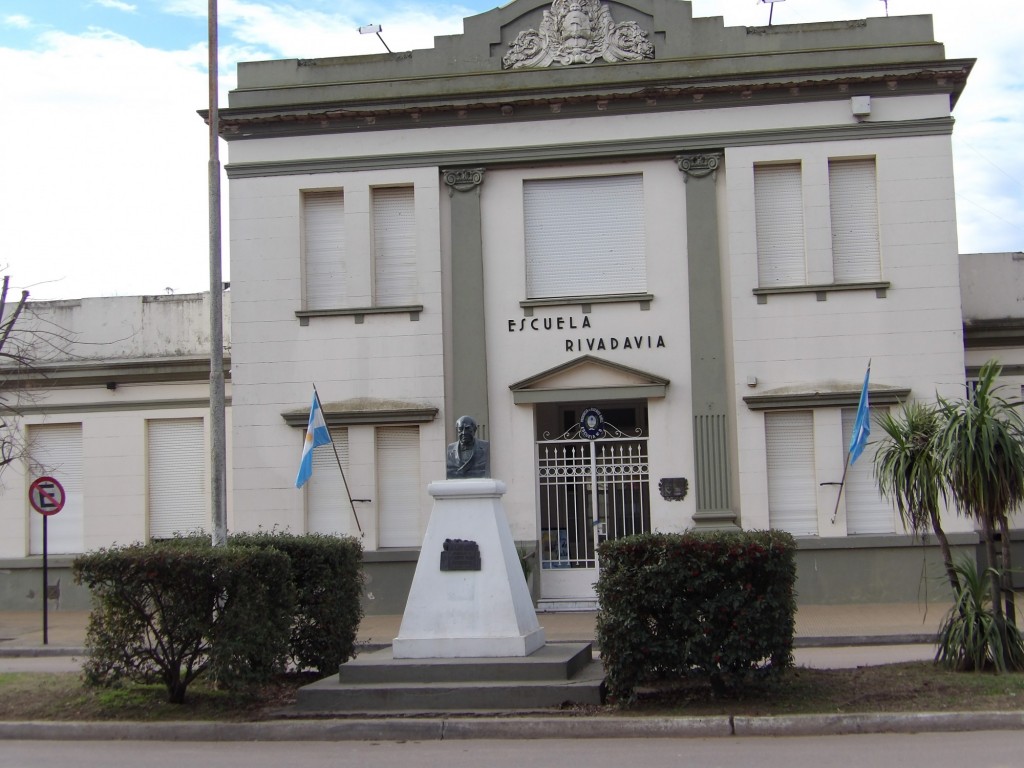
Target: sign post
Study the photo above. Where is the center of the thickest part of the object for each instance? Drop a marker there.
(46, 496)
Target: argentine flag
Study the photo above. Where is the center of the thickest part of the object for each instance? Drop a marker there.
(862, 426)
(316, 434)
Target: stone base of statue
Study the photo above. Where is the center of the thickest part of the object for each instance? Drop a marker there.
(469, 640)
(469, 597)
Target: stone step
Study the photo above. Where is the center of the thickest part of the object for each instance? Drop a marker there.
(551, 662)
(553, 675)
(332, 696)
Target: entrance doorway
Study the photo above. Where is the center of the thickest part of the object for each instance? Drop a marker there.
(592, 485)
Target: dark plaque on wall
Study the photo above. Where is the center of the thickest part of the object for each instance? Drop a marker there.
(673, 488)
(460, 555)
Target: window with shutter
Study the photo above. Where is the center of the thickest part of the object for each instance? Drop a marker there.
(326, 271)
(176, 477)
(792, 491)
(327, 504)
(55, 450)
(866, 510)
(394, 246)
(853, 202)
(585, 236)
(398, 486)
(779, 214)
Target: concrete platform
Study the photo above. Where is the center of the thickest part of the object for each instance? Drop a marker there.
(555, 674)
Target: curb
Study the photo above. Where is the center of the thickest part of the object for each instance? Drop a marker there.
(915, 722)
(441, 729)
(846, 641)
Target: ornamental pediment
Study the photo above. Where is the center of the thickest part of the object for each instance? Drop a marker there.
(578, 32)
(588, 377)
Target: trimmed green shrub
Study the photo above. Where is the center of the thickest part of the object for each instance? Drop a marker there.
(169, 612)
(720, 606)
(328, 581)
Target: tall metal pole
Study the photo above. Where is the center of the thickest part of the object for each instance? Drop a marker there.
(218, 439)
(46, 584)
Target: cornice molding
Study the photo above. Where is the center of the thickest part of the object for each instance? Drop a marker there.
(365, 411)
(364, 103)
(118, 406)
(95, 372)
(984, 334)
(974, 371)
(774, 401)
(580, 152)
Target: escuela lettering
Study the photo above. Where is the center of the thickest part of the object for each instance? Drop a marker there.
(585, 344)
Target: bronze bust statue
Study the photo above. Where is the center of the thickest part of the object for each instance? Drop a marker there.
(468, 457)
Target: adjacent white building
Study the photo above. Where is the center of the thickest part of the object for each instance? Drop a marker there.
(115, 406)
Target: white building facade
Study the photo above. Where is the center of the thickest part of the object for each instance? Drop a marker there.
(697, 235)
(651, 255)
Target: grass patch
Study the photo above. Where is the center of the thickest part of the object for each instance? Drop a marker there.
(906, 687)
(62, 696)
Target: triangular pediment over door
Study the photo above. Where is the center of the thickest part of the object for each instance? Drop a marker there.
(588, 378)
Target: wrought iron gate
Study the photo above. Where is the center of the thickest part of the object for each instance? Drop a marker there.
(589, 490)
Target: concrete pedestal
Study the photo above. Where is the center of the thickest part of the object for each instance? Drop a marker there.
(468, 614)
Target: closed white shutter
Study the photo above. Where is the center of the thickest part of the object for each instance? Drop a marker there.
(55, 450)
(399, 491)
(866, 510)
(326, 269)
(394, 246)
(779, 213)
(792, 492)
(853, 201)
(176, 477)
(327, 505)
(585, 236)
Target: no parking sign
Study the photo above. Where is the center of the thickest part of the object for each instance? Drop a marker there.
(46, 496)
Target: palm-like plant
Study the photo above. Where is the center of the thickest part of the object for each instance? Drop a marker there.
(909, 474)
(981, 449)
(973, 637)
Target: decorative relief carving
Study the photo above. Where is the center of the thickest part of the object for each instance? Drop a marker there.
(699, 166)
(464, 179)
(578, 32)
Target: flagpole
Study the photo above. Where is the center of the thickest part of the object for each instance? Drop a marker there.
(842, 484)
(337, 458)
(861, 429)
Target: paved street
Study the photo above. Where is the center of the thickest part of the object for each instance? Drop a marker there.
(1004, 749)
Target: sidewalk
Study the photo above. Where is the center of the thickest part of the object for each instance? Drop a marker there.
(851, 634)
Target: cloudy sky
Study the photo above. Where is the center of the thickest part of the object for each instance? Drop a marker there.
(103, 160)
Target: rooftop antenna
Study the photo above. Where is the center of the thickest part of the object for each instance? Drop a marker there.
(772, 11)
(373, 29)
